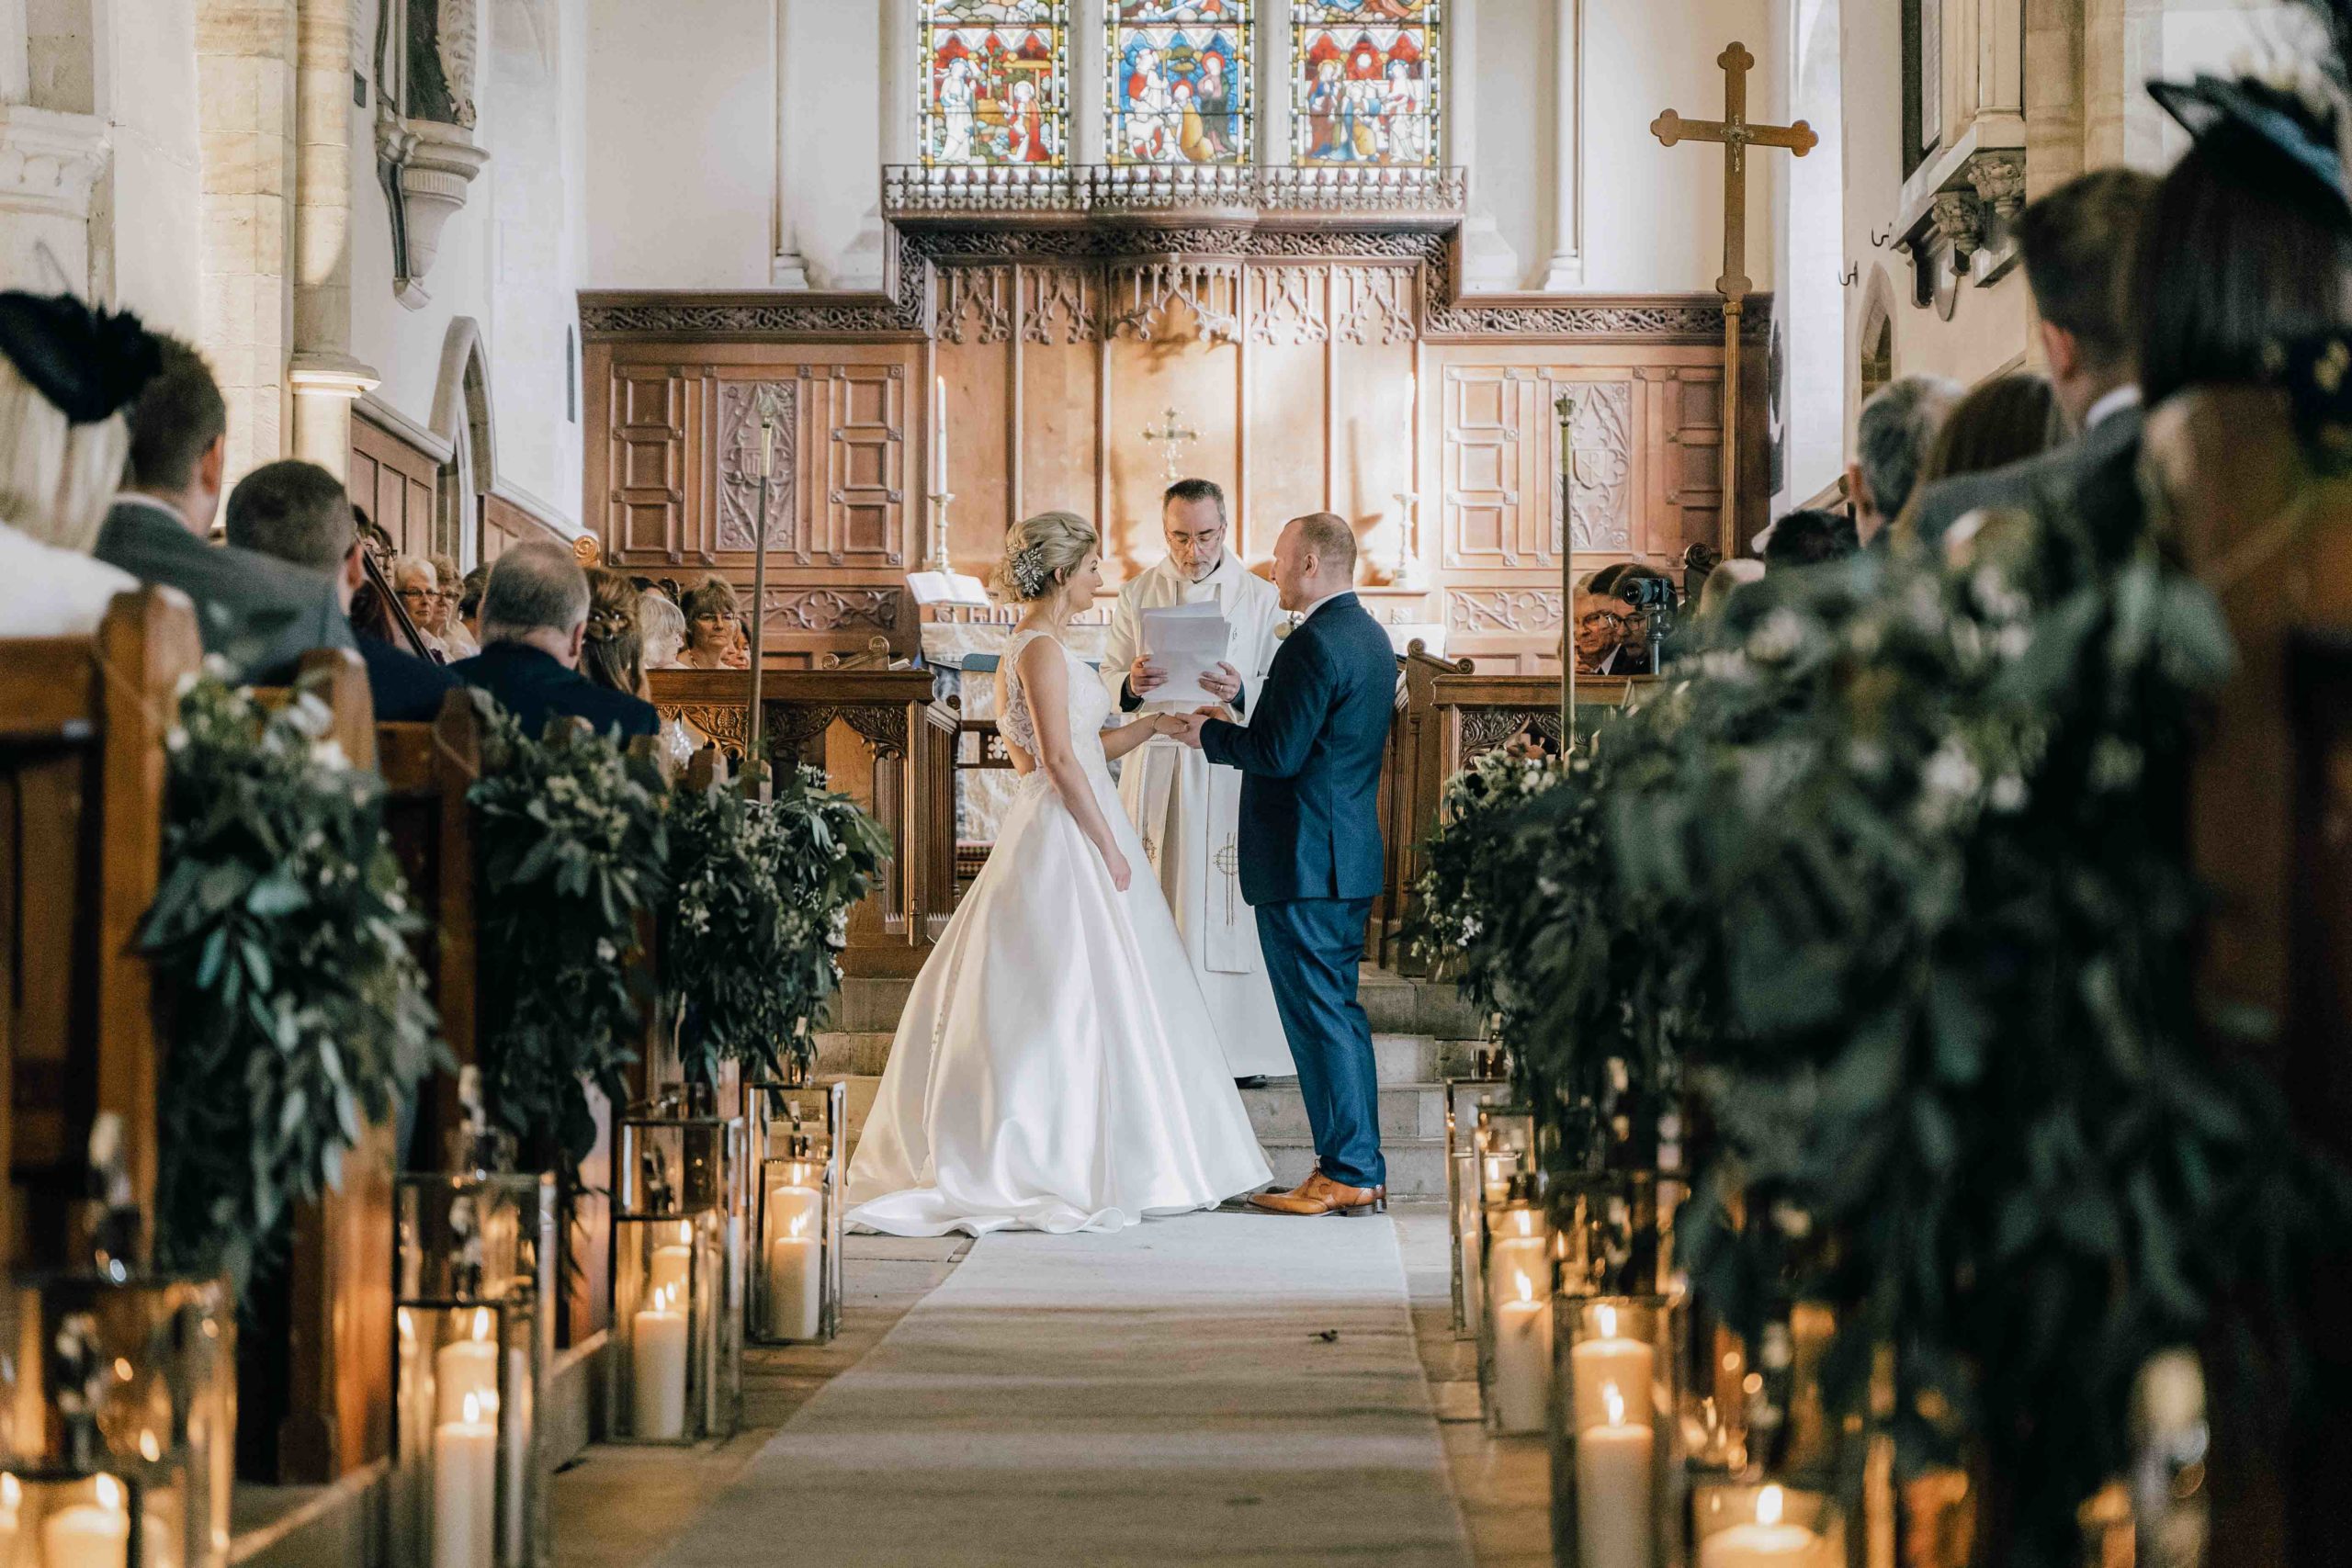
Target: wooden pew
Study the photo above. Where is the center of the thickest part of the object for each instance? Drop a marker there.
(83, 728)
(882, 740)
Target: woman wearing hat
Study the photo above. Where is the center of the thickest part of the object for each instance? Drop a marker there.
(66, 373)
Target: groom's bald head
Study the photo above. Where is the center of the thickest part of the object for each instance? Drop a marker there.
(1315, 559)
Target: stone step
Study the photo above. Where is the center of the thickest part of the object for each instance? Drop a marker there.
(1416, 1165)
(1407, 1109)
(1402, 1061)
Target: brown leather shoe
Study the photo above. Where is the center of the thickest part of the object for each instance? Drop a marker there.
(1320, 1195)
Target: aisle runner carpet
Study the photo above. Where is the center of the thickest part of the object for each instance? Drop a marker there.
(1215, 1389)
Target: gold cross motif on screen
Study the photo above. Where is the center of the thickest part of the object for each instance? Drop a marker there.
(1173, 438)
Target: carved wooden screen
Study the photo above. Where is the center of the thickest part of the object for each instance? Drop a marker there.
(1179, 79)
(1365, 94)
(995, 82)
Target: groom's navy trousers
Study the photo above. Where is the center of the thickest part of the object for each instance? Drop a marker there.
(1311, 860)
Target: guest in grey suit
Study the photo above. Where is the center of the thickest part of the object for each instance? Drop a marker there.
(258, 614)
(2078, 242)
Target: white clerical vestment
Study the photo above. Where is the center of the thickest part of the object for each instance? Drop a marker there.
(1188, 810)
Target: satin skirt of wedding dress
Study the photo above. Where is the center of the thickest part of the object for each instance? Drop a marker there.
(1056, 1068)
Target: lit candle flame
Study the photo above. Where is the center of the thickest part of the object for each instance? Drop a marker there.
(473, 1409)
(1768, 1505)
(800, 1225)
(1525, 1218)
(408, 1326)
(11, 1492)
(1607, 1318)
(1614, 1403)
(481, 1323)
(109, 1492)
(122, 1369)
(1526, 1286)
(149, 1448)
(686, 1232)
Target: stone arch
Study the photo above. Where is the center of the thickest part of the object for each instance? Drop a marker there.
(462, 416)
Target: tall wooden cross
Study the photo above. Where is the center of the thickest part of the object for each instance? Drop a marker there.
(1737, 136)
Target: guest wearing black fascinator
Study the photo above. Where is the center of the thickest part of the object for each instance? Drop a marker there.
(66, 373)
(259, 614)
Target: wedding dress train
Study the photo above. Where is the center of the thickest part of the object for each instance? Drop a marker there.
(1056, 1068)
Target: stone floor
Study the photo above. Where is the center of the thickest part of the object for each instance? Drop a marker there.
(621, 1508)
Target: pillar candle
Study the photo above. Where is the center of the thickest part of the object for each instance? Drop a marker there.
(1767, 1543)
(465, 1489)
(796, 1306)
(1522, 1388)
(1616, 1522)
(939, 435)
(1500, 1170)
(96, 1534)
(12, 1493)
(1608, 1359)
(466, 1369)
(657, 1355)
(515, 1426)
(1510, 1256)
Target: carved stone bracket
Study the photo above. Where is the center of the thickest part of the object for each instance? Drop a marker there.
(1998, 177)
(1959, 221)
(48, 161)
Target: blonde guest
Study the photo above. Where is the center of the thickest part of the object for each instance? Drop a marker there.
(714, 627)
(418, 587)
(66, 373)
(665, 630)
(453, 631)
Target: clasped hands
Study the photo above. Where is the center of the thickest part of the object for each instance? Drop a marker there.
(1186, 727)
(1224, 681)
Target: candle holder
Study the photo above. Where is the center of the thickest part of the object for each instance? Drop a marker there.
(473, 1344)
(117, 1413)
(1502, 1151)
(935, 558)
(1616, 1232)
(1765, 1523)
(677, 1364)
(1515, 1328)
(1465, 1192)
(797, 1136)
(1616, 1465)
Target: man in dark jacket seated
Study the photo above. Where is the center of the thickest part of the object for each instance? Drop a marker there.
(296, 512)
(534, 618)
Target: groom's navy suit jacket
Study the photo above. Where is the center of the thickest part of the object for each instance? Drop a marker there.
(1310, 760)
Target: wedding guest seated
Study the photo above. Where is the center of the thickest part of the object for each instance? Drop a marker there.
(1725, 581)
(664, 626)
(1807, 538)
(1892, 436)
(261, 615)
(296, 512)
(455, 635)
(470, 603)
(534, 624)
(613, 652)
(418, 587)
(2078, 243)
(714, 627)
(1597, 631)
(66, 373)
(1613, 583)
(2006, 421)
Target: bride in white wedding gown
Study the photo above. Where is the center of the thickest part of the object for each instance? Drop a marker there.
(1056, 1068)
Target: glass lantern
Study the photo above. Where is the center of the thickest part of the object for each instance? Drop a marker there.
(474, 1338)
(677, 1365)
(1463, 1191)
(1753, 1523)
(1502, 1149)
(1616, 1470)
(1515, 1328)
(118, 1422)
(797, 1137)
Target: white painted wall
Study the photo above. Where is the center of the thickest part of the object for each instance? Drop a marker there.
(145, 51)
(1812, 294)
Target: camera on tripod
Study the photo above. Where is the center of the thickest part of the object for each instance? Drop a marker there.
(1651, 598)
(1650, 593)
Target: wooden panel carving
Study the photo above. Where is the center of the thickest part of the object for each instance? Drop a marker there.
(1512, 612)
(1483, 412)
(739, 468)
(1372, 304)
(646, 501)
(1601, 438)
(866, 452)
(1289, 305)
(1141, 293)
(1059, 305)
(834, 609)
(975, 304)
(397, 482)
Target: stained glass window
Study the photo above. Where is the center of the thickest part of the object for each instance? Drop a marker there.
(1364, 82)
(995, 82)
(1179, 78)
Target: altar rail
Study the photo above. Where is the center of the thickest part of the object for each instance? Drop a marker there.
(882, 740)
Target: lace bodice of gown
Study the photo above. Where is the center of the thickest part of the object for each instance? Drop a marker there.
(1089, 703)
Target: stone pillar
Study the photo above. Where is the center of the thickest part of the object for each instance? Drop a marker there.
(323, 378)
(1089, 87)
(1271, 88)
(1566, 269)
(902, 80)
(785, 269)
(15, 59)
(1487, 263)
(246, 94)
(2053, 94)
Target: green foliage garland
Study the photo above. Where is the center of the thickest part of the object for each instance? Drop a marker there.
(297, 1012)
(752, 920)
(574, 855)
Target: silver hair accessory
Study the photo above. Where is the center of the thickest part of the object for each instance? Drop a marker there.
(1030, 578)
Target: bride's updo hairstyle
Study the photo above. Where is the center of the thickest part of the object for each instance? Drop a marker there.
(1040, 553)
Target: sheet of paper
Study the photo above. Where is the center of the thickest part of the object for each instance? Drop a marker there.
(1188, 641)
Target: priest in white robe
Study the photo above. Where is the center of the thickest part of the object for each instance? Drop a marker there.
(1187, 809)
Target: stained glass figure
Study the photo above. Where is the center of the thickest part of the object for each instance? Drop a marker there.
(1179, 77)
(1364, 82)
(996, 82)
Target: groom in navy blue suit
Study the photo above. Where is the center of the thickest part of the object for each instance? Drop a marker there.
(1310, 848)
